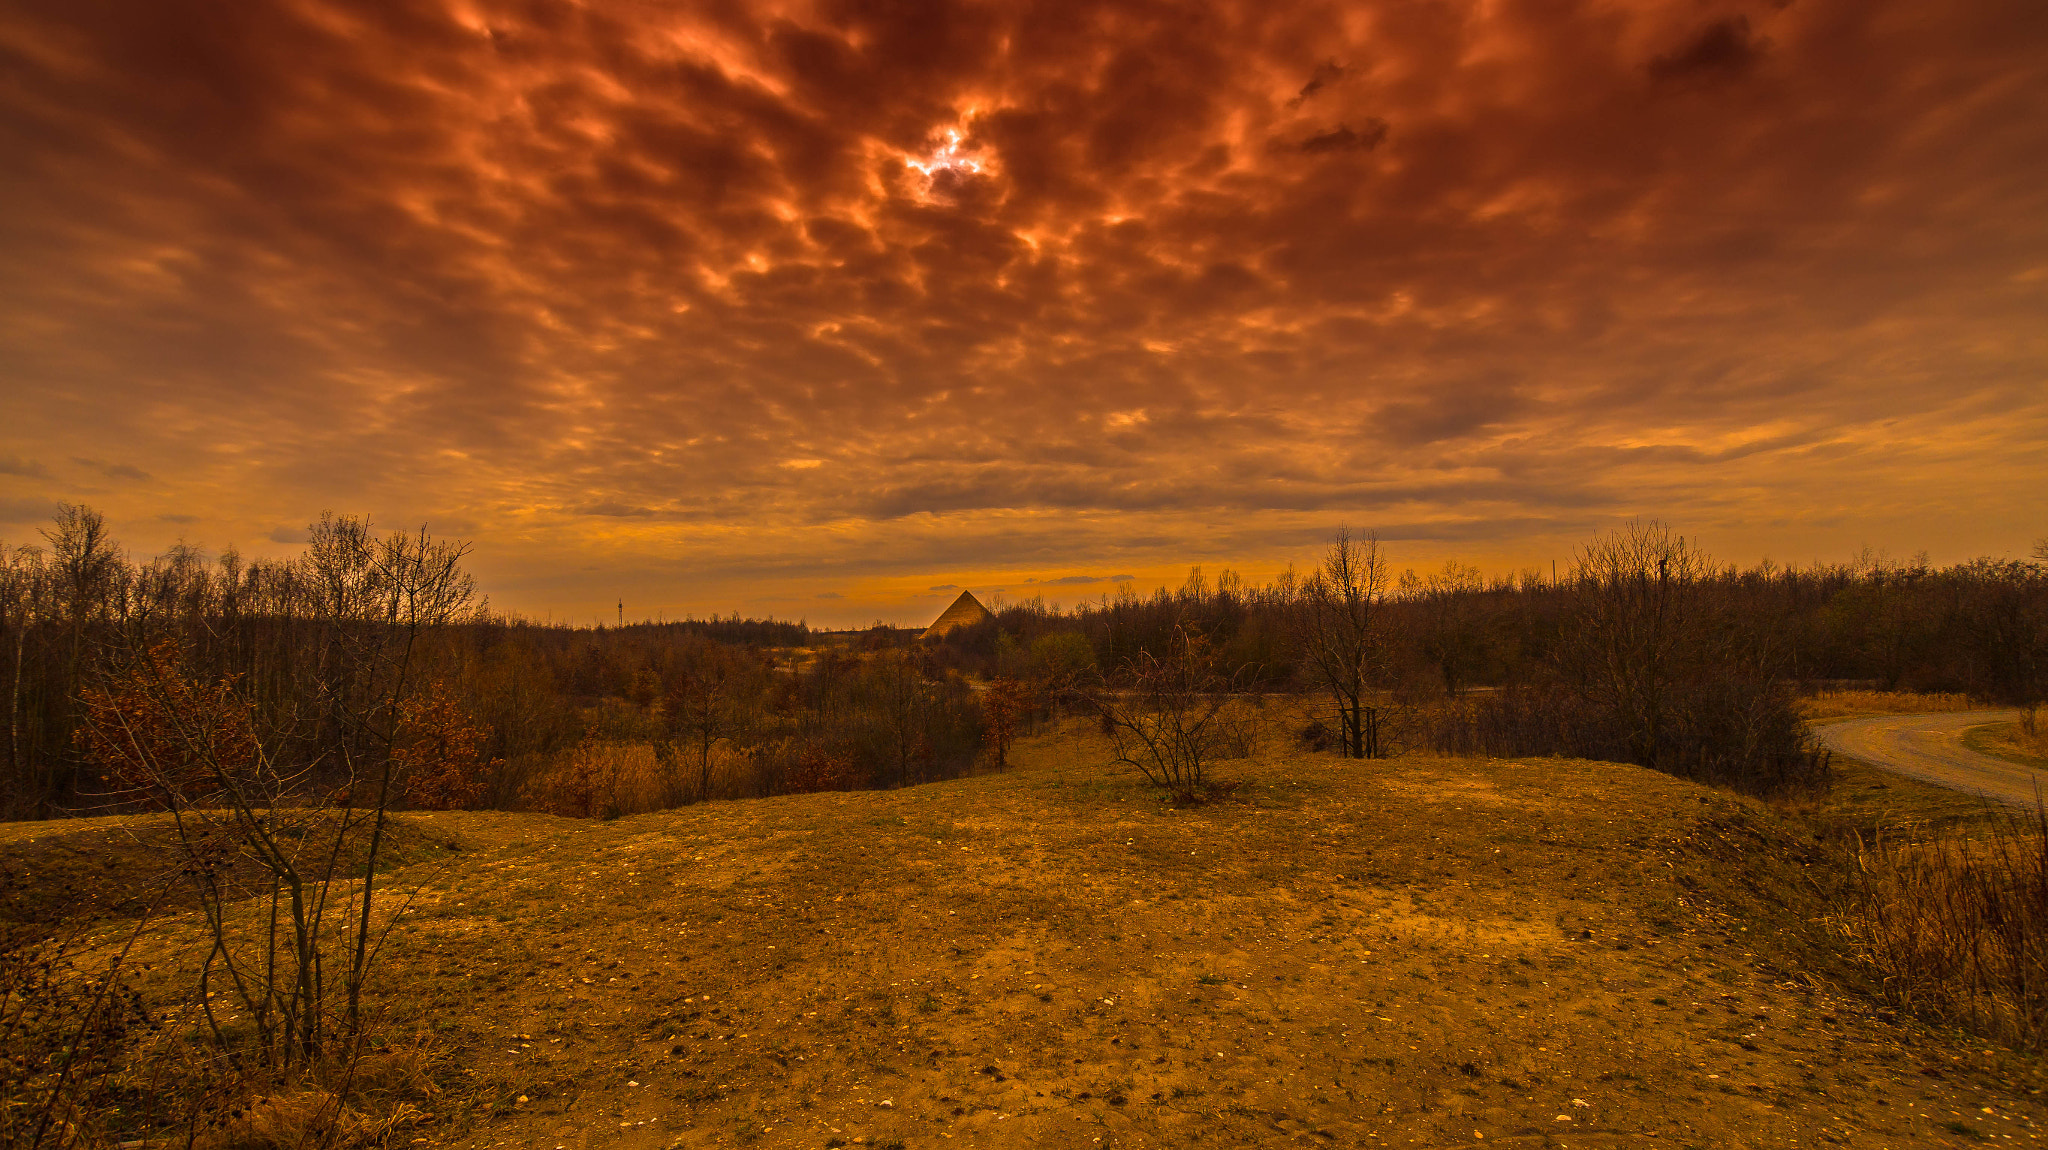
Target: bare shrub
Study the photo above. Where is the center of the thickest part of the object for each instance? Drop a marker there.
(1168, 717)
(1959, 928)
(713, 698)
(1240, 725)
(67, 1028)
(1654, 664)
(1004, 706)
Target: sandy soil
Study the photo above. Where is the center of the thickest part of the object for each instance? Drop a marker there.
(1416, 952)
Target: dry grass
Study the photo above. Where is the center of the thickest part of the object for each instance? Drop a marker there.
(363, 1102)
(2024, 741)
(1410, 950)
(1842, 704)
(1959, 927)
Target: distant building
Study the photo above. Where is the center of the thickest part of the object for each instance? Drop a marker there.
(966, 611)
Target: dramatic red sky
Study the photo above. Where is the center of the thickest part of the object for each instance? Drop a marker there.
(814, 308)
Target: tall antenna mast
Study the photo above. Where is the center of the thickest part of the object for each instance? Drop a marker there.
(622, 611)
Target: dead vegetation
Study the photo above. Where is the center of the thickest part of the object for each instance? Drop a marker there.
(1958, 925)
(1842, 704)
(2024, 741)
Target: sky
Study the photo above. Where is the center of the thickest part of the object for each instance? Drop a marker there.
(828, 310)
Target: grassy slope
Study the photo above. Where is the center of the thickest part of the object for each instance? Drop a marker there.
(2004, 741)
(1558, 952)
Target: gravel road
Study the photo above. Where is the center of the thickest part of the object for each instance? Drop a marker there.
(1930, 747)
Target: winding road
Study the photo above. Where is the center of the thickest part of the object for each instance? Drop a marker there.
(1930, 747)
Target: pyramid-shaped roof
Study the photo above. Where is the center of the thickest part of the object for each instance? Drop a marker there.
(965, 612)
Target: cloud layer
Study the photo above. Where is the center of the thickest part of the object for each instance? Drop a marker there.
(744, 305)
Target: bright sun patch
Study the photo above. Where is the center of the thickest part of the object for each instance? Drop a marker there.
(951, 158)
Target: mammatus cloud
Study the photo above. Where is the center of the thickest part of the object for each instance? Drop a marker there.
(713, 306)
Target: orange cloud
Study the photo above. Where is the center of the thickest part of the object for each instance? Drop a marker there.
(734, 305)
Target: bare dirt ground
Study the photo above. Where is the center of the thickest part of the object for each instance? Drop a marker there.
(1413, 952)
(1931, 748)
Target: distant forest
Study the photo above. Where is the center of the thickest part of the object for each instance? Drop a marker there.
(368, 660)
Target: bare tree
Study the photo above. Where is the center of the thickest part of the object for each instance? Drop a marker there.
(1639, 602)
(1451, 633)
(1337, 624)
(200, 748)
(711, 699)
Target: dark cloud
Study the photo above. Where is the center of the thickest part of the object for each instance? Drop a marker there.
(1328, 72)
(1724, 47)
(287, 535)
(965, 292)
(616, 510)
(1344, 138)
(177, 517)
(113, 470)
(944, 587)
(26, 511)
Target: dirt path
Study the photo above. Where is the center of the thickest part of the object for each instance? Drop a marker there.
(1930, 747)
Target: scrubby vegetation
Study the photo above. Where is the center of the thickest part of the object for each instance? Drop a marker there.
(1644, 651)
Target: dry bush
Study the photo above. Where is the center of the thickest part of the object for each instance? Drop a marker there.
(1172, 717)
(1959, 928)
(609, 779)
(87, 1061)
(603, 779)
(1836, 704)
(1239, 727)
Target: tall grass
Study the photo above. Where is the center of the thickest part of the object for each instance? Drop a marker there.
(1958, 928)
(2030, 734)
(1836, 704)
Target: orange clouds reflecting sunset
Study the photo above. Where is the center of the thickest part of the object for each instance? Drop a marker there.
(734, 306)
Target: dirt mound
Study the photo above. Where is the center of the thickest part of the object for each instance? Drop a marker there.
(1443, 951)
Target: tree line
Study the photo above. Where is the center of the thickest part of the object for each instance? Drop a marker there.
(1643, 650)
(369, 656)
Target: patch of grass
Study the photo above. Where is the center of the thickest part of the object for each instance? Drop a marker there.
(1867, 801)
(1845, 704)
(2012, 742)
(1959, 926)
